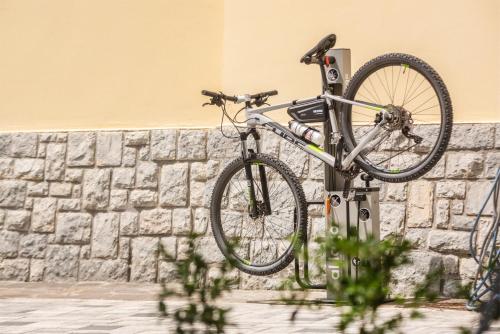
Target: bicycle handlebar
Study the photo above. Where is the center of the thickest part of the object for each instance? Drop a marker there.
(219, 95)
(235, 99)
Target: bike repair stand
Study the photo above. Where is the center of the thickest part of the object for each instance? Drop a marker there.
(358, 211)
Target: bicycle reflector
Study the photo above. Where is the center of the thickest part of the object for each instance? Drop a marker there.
(329, 60)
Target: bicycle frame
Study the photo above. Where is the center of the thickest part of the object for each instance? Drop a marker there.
(255, 116)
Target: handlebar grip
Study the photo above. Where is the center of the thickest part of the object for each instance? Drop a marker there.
(220, 95)
(264, 94)
(209, 93)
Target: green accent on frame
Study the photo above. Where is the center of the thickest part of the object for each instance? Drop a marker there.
(315, 148)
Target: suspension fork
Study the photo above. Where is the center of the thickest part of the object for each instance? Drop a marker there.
(248, 155)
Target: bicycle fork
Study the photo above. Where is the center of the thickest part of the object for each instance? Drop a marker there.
(248, 155)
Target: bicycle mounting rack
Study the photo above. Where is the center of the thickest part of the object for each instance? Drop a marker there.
(361, 205)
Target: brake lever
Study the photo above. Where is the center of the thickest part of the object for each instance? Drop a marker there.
(260, 101)
(214, 101)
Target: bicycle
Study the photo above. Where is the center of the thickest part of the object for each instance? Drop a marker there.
(266, 216)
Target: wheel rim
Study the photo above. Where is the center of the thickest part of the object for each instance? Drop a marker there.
(267, 239)
(399, 86)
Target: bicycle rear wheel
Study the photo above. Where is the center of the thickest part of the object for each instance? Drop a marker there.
(414, 141)
(264, 244)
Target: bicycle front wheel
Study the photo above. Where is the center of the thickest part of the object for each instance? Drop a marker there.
(418, 134)
(262, 243)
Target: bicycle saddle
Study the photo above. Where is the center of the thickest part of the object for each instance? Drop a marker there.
(320, 49)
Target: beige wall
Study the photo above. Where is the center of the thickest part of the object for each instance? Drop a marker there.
(129, 64)
(107, 63)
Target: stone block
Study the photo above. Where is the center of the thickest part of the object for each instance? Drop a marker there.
(143, 198)
(42, 150)
(167, 272)
(468, 268)
(23, 145)
(417, 237)
(136, 138)
(420, 204)
(124, 248)
(183, 247)
(147, 175)
(452, 242)
(60, 189)
(197, 193)
(103, 270)
(462, 223)
(73, 228)
(62, 263)
(476, 194)
(497, 135)
(81, 149)
(143, 153)
(129, 223)
(155, 221)
(396, 192)
(202, 171)
(14, 270)
(7, 168)
(144, 259)
(408, 277)
(96, 184)
(208, 248)
(219, 146)
(2, 218)
(314, 190)
(471, 136)
(169, 245)
(28, 204)
(37, 269)
(53, 137)
(492, 163)
(191, 145)
(118, 199)
(163, 144)
(392, 217)
(450, 265)
(33, 245)
(38, 189)
(69, 204)
(438, 171)
(129, 156)
(174, 185)
(442, 213)
(181, 221)
(109, 149)
(74, 175)
(270, 143)
(85, 252)
(12, 193)
(123, 177)
(17, 220)
(464, 164)
(43, 216)
(295, 158)
(29, 169)
(55, 162)
(450, 189)
(201, 220)
(105, 235)
(457, 207)
(316, 169)
(9, 243)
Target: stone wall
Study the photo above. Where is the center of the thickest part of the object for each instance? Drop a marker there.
(83, 206)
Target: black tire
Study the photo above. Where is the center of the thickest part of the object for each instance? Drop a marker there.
(222, 188)
(442, 100)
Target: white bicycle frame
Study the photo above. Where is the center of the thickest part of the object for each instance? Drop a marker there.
(255, 116)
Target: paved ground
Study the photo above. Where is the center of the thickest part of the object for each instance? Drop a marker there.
(99, 308)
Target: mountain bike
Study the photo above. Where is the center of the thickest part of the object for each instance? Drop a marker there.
(395, 121)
